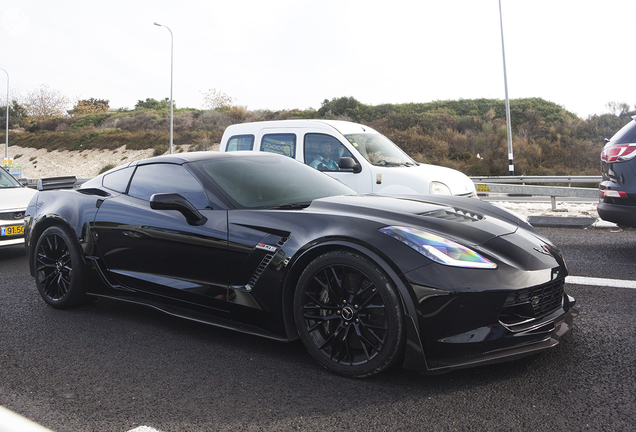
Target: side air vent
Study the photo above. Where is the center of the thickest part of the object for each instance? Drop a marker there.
(264, 263)
(455, 214)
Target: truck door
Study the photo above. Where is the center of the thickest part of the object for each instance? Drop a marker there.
(322, 152)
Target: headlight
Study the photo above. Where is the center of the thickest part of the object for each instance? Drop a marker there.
(439, 188)
(438, 249)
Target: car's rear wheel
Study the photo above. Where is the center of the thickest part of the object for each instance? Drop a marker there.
(348, 315)
(59, 269)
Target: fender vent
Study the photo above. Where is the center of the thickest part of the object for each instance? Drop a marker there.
(264, 263)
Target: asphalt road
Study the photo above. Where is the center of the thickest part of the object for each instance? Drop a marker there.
(111, 366)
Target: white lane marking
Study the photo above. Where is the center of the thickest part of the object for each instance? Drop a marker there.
(614, 283)
(144, 429)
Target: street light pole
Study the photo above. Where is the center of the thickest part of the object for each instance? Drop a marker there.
(6, 139)
(511, 166)
(171, 102)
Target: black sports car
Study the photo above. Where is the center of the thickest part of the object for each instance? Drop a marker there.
(263, 244)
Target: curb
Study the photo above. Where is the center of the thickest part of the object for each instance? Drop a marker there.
(568, 222)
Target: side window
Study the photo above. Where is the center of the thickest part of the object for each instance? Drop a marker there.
(282, 143)
(323, 152)
(118, 180)
(240, 143)
(167, 178)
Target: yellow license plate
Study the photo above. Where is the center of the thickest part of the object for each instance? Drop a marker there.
(12, 230)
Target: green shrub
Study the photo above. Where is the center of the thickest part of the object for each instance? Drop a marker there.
(89, 140)
(46, 140)
(106, 168)
(238, 114)
(50, 125)
(161, 149)
(88, 120)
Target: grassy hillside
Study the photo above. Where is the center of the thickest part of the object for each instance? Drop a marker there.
(468, 135)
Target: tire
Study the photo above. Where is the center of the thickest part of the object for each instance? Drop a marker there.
(348, 315)
(59, 269)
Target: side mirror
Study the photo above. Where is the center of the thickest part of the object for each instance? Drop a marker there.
(349, 163)
(174, 201)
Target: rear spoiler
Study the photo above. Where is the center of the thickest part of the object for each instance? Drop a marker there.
(68, 182)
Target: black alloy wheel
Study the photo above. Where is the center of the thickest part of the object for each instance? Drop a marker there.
(348, 315)
(59, 270)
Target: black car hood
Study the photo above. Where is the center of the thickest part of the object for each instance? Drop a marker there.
(468, 221)
(465, 219)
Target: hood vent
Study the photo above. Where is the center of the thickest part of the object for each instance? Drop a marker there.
(454, 215)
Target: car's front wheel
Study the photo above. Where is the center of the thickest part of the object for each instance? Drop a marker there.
(59, 269)
(348, 314)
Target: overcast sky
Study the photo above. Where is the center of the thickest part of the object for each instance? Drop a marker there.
(285, 54)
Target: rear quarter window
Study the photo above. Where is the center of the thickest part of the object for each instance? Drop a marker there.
(240, 143)
(118, 180)
(282, 143)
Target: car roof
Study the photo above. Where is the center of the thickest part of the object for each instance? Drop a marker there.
(188, 157)
(626, 135)
(344, 127)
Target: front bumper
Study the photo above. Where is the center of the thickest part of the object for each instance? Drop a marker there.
(496, 319)
(10, 240)
(499, 343)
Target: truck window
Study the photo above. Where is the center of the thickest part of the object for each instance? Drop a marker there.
(281, 143)
(323, 152)
(379, 150)
(240, 143)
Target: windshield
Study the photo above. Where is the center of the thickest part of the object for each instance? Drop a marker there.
(270, 181)
(7, 180)
(379, 150)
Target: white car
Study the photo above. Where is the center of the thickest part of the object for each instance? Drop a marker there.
(355, 154)
(14, 199)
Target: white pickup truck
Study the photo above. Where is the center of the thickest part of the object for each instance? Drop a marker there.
(357, 155)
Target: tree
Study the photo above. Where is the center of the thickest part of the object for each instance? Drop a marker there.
(89, 106)
(45, 103)
(154, 104)
(213, 99)
(17, 114)
(617, 108)
(342, 107)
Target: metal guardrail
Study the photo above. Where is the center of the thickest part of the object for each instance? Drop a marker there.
(538, 179)
(502, 185)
